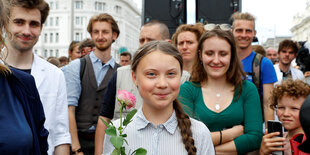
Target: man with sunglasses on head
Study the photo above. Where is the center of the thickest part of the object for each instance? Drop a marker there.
(261, 72)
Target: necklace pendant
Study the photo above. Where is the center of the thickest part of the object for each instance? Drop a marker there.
(217, 107)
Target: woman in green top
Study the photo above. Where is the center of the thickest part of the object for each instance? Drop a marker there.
(218, 96)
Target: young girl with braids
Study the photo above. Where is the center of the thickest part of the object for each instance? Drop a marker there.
(161, 126)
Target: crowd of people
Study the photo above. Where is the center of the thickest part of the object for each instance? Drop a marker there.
(205, 91)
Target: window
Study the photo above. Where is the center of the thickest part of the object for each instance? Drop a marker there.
(99, 6)
(51, 21)
(117, 9)
(57, 21)
(57, 53)
(57, 5)
(51, 53)
(51, 37)
(45, 37)
(79, 4)
(57, 37)
(78, 20)
(51, 5)
(78, 36)
(45, 54)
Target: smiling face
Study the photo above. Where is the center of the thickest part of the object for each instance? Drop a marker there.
(244, 32)
(288, 112)
(102, 35)
(158, 79)
(215, 56)
(187, 44)
(25, 28)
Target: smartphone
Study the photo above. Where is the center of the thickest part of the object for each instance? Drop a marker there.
(275, 126)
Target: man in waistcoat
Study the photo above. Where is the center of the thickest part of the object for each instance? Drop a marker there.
(87, 81)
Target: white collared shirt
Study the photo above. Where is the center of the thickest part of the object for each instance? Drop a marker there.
(162, 139)
(51, 85)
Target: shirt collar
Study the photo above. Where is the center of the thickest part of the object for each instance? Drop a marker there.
(170, 125)
(95, 59)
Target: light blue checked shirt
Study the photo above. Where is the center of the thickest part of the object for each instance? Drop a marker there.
(165, 139)
(72, 75)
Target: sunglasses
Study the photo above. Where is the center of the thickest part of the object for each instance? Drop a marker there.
(225, 27)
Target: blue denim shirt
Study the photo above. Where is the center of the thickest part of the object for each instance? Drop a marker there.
(72, 75)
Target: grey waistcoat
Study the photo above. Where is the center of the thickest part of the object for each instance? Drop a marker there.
(90, 101)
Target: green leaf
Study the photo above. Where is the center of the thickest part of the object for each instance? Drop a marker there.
(123, 135)
(140, 151)
(117, 141)
(129, 117)
(111, 131)
(116, 152)
(126, 142)
(104, 122)
(123, 151)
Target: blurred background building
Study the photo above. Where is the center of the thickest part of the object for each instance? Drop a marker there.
(60, 28)
(301, 25)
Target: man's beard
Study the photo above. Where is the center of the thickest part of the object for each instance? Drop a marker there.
(103, 47)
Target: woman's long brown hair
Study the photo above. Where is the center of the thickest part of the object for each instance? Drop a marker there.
(4, 70)
(234, 74)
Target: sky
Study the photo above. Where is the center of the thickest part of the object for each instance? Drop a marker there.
(273, 17)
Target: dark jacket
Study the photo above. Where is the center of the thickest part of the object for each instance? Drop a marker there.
(23, 86)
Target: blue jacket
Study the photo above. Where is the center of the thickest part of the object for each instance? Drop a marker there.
(23, 86)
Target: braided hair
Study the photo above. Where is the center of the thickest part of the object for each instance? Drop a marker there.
(184, 122)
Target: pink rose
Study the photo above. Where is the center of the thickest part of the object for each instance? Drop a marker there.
(127, 98)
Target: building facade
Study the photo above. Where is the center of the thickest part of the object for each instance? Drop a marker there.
(60, 28)
(301, 25)
(274, 42)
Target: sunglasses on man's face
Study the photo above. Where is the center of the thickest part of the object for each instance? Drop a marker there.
(225, 27)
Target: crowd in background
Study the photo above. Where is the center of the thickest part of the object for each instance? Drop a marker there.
(207, 90)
